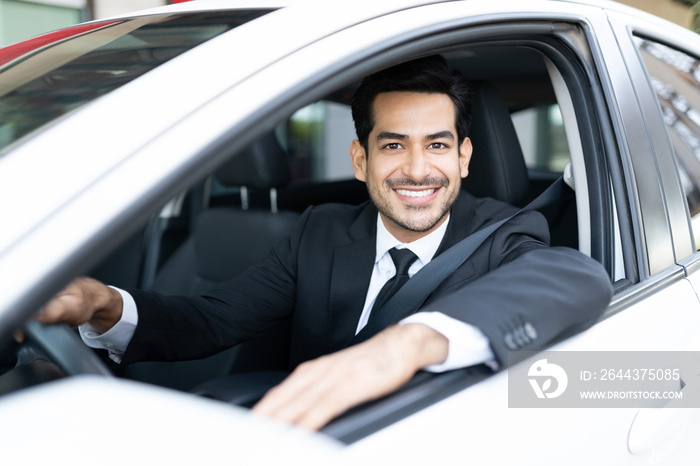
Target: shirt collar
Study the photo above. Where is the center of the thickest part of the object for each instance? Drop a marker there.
(425, 247)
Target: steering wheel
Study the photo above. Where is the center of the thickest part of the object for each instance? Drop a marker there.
(64, 348)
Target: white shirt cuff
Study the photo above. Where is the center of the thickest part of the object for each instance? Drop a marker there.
(116, 339)
(468, 346)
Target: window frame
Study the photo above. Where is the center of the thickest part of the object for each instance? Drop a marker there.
(669, 210)
(672, 160)
(584, 90)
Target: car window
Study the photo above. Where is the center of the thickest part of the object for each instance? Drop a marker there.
(542, 137)
(44, 78)
(675, 76)
(317, 138)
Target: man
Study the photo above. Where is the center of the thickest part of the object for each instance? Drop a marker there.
(412, 152)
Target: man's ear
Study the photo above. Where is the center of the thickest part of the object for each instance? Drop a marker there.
(358, 157)
(465, 155)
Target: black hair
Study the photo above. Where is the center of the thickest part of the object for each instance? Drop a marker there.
(429, 75)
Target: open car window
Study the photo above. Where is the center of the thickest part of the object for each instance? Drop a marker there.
(316, 137)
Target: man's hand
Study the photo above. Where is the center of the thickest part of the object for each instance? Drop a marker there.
(319, 390)
(84, 300)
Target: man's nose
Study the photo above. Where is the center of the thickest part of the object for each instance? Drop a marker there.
(416, 166)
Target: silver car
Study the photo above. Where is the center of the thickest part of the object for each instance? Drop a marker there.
(123, 140)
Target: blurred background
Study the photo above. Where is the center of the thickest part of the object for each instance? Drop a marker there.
(23, 19)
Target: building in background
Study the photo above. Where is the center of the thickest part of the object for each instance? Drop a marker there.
(105, 8)
(23, 19)
(680, 12)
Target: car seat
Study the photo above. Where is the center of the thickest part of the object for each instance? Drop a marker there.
(225, 241)
(497, 168)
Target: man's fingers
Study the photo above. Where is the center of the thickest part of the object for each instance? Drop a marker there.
(310, 397)
(73, 305)
(84, 300)
(322, 409)
(294, 396)
(64, 307)
(52, 311)
(19, 336)
(319, 390)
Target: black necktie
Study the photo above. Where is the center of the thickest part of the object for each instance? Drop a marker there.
(403, 259)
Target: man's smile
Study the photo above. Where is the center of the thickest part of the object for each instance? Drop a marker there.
(417, 193)
(422, 193)
(417, 196)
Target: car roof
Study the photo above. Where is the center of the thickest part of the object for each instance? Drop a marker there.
(367, 7)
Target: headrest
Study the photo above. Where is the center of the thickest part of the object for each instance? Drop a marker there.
(497, 168)
(263, 164)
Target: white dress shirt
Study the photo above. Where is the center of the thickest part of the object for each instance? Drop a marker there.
(467, 344)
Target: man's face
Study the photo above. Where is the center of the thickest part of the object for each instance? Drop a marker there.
(414, 164)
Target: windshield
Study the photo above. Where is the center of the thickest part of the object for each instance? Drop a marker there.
(46, 77)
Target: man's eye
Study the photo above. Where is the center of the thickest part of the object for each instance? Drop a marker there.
(393, 146)
(438, 145)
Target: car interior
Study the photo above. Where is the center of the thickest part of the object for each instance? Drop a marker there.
(228, 222)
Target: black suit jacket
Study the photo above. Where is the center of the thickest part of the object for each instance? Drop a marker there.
(521, 293)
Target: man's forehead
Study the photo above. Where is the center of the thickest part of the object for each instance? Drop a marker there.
(403, 112)
(405, 95)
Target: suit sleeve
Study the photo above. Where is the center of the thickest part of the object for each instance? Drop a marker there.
(532, 295)
(174, 328)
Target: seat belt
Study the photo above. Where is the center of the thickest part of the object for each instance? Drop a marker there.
(427, 279)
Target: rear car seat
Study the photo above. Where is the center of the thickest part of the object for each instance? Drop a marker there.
(225, 242)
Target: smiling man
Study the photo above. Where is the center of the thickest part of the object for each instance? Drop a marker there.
(417, 162)
(341, 263)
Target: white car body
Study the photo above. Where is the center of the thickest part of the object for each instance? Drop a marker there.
(105, 168)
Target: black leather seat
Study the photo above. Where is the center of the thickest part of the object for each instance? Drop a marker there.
(497, 168)
(228, 240)
(225, 242)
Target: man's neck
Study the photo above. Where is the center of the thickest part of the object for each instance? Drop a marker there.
(425, 247)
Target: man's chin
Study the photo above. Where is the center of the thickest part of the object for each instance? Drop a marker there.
(418, 225)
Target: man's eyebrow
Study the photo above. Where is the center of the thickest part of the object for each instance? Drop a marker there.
(391, 135)
(440, 135)
(402, 137)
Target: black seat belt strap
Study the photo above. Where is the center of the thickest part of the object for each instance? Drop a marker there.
(426, 280)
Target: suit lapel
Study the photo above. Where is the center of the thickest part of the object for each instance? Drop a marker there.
(350, 275)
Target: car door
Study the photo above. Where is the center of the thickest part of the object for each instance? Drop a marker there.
(655, 307)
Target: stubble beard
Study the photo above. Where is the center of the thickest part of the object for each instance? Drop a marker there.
(412, 219)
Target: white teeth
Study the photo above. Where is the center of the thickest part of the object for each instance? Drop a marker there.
(406, 192)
